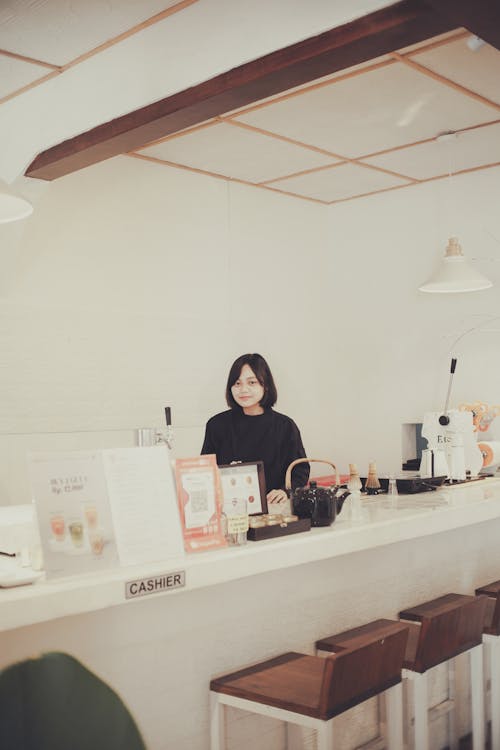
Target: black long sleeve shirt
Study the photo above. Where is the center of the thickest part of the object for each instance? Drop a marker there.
(269, 437)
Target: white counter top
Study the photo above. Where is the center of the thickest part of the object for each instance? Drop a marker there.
(380, 520)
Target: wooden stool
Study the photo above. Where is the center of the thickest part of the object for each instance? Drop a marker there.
(448, 626)
(310, 691)
(491, 641)
(352, 638)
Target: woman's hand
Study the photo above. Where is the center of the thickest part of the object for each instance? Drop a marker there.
(277, 496)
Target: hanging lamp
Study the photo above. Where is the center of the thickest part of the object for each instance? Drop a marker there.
(454, 274)
(12, 206)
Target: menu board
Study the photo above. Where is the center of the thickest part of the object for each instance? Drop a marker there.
(199, 499)
(73, 511)
(97, 509)
(142, 495)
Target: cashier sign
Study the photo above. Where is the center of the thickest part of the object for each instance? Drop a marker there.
(155, 584)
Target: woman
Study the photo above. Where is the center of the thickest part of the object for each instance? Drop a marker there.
(252, 431)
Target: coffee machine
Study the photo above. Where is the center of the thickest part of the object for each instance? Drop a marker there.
(452, 448)
(149, 436)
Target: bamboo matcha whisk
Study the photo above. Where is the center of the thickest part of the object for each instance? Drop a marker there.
(354, 483)
(372, 485)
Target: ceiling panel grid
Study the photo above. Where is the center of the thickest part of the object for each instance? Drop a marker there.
(375, 126)
(363, 128)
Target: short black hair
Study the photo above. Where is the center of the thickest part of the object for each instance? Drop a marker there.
(260, 368)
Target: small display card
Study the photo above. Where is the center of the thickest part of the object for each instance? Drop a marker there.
(245, 481)
(199, 499)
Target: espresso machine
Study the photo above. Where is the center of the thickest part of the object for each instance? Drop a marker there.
(452, 448)
(149, 436)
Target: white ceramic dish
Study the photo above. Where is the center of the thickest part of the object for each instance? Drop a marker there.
(12, 574)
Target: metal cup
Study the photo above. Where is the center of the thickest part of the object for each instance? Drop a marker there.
(146, 437)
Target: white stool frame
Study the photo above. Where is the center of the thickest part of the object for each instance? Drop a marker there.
(421, 702)
(325, 729)
(491, 649)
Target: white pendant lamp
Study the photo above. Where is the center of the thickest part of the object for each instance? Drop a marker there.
(12, 206)
(455, 274)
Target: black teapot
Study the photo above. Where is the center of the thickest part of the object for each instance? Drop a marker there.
(320, 504)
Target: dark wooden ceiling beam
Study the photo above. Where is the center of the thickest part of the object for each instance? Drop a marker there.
(397, 26)
(480, 17)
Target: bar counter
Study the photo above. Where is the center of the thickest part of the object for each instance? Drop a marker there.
(245, 604)
(383, 520)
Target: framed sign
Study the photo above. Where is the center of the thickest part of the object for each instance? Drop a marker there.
(245, 481)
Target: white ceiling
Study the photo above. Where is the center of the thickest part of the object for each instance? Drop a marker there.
(360, 131)
(365, 130)
(59, 31)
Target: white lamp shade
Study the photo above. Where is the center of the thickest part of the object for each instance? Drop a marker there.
(455, 274)
(12, 206)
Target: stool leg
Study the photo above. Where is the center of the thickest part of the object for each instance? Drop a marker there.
(394, 714)
(216, 722)
(492, 649)
(477, 697)
(297, 736)
(420, 707)
(452, 714)
(326, 735)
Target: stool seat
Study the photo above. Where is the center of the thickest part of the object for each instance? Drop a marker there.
(490, 589)
(447, 626)
(310, 691)
(440, 630)
(434, 607)
(324, 688)
(491, 640)
(356, 637)
(491, 624)
(291, 681)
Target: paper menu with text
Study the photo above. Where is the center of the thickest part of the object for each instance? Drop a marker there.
(143, 503)
(199, 498)
(73, 512)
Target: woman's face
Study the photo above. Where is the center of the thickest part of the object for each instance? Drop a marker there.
(248, 392)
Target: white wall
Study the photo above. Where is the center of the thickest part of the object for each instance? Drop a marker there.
(395, 343)
(134, 286)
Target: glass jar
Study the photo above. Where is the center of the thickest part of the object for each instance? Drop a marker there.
(235, 521)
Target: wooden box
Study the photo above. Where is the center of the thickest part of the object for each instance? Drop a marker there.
(270, 532)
